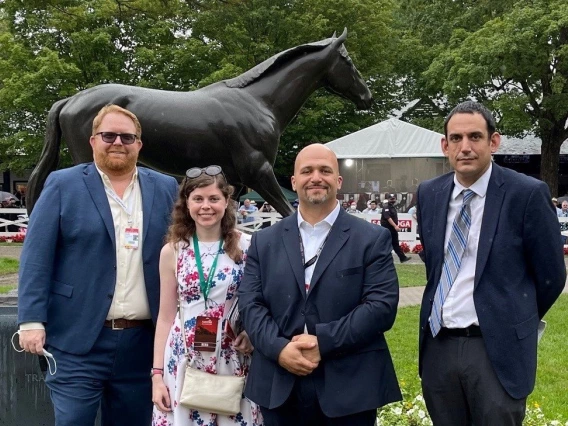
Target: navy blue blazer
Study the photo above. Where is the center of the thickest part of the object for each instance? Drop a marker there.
(352, 301)
(68, 265)
(519, 273)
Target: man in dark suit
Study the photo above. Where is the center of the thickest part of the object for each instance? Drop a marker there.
(318, 292)
(89, 282)
(495, 266)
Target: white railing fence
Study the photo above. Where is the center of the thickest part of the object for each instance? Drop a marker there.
(13, 222)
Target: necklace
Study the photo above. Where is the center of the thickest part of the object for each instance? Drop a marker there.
(209, 247)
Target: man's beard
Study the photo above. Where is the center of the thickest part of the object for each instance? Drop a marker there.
(318, 200)
(125, 164)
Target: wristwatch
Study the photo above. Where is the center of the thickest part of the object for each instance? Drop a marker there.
(154, 371)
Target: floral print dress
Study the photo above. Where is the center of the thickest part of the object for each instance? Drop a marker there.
(227, 277)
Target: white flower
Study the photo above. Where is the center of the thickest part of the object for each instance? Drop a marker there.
(419, 398)
(421, 414)
(554, 423)
(397, 411)
(426, 421)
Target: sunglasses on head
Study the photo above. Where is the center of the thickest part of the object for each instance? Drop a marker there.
(110, 137)
(195, 172)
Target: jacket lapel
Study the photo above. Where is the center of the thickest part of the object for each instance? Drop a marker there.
(337, 237)
(147, 187)
(96, 189)
(493, 202)
(441, 203)
(291, 240)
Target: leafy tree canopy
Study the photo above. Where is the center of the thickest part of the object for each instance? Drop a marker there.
(52, 49)
(510, 55)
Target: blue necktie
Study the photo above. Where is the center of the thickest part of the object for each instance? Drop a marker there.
(452, 260)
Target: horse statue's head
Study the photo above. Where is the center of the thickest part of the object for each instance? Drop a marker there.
(343, 78)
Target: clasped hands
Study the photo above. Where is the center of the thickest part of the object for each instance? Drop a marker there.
(301, 356)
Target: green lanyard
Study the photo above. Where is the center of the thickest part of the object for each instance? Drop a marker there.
(205, 285)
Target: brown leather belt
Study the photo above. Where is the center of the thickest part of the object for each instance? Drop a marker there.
(121, 323)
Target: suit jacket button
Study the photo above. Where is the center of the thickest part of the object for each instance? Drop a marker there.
(303, 313)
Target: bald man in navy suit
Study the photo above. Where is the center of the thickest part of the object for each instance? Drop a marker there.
(318, 293)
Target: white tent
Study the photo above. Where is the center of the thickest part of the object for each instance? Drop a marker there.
(392, 138)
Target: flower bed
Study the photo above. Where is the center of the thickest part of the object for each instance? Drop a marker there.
(18, 238)
(413, 412)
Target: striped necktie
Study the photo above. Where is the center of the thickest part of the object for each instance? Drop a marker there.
(452, 260)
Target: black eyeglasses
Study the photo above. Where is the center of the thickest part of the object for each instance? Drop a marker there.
(110, 137)
(209, 170)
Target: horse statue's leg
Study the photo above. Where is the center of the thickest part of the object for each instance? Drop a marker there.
(239, 190)
(265, 183)
(49, 155)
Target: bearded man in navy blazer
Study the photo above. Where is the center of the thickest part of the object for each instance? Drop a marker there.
(481, 364)
(318, 293)
(89, 281)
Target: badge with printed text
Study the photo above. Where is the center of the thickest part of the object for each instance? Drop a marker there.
(205, 334)
(131, 238)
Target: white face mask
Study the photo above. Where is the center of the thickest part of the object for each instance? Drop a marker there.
(353, 207)
(46, 354)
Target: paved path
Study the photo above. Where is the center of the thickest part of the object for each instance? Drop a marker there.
(11, 251)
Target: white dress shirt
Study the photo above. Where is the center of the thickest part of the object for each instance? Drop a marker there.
(313, 237)
(458, 310)
(130, 299)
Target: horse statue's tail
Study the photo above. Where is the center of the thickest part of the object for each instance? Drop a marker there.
(49, 156)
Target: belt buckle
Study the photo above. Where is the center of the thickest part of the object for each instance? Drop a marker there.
(113, 326)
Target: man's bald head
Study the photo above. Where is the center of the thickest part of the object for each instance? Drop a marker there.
(316, 177)
(316, 150)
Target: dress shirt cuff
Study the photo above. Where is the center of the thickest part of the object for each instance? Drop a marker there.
(31, 326)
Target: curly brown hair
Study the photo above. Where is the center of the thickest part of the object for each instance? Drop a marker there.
(183, 225)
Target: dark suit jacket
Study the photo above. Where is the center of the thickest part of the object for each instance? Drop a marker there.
(352, 302)
(519, 272)
(68, 263)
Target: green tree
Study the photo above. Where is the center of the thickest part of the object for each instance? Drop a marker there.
(53, 49)
(510, 55)
(249, 31)
(181, 45)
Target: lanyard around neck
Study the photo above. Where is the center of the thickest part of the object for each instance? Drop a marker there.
(313, 260)
(205, 285)
(127, 206)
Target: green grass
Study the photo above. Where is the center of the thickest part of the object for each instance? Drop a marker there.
(411, 275)
(8, 265)
(11, 244)
(552, 373)
(6, 288)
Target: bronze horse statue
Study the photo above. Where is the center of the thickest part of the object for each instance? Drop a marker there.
(235, 123)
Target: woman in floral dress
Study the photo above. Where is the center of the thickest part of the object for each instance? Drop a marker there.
(203, 215)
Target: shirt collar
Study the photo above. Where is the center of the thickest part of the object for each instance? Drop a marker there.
(106, 179)
(479, 186)
(329, 219)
